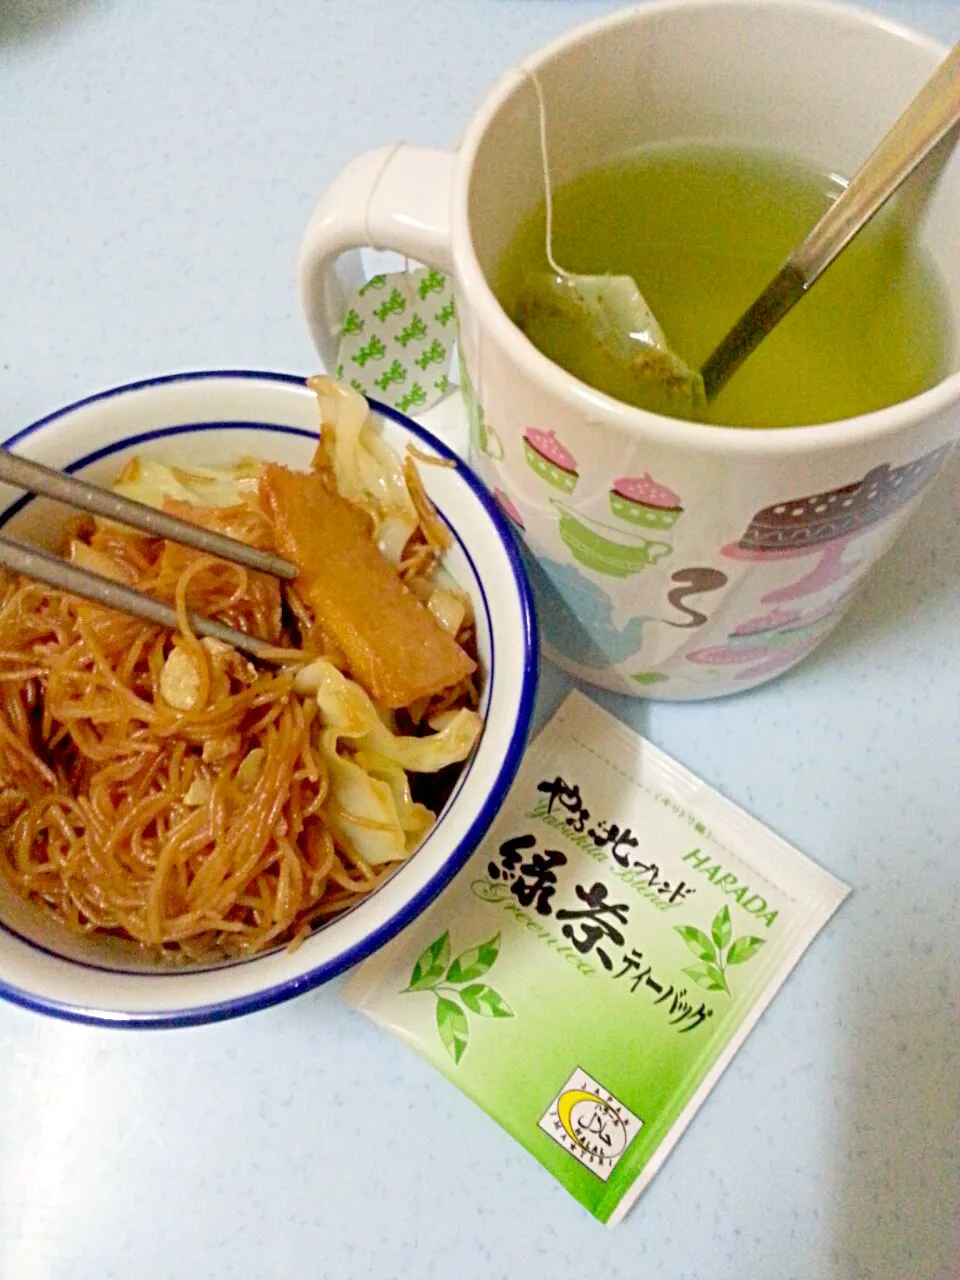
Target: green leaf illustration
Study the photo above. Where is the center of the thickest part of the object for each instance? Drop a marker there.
(453, 1028)
(707, 976)
(479, 998)
(743, 949)
(430, 965)
(720, 928)
(698, 942)
(474, 963)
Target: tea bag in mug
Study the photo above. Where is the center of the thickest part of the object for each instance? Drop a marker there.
(600, 327)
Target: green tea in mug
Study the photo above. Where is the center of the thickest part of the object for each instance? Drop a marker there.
(702, 228)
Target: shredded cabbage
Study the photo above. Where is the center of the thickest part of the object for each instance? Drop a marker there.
(367, 470)
(362, 811)
(151, 482)
(415, 819)
(348, 708)
(393, 535)
(371, 803)
(448, 609)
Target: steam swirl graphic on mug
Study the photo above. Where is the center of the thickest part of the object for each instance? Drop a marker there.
(693, 582)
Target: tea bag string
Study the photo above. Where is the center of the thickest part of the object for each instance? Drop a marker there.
(545, 165)
(385, 164)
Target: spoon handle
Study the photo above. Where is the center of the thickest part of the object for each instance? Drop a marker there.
(928, 118)
(926, 121)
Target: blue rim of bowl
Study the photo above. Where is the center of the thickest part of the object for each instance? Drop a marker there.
(221, 1010)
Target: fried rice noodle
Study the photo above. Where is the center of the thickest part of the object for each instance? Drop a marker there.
(160, 789)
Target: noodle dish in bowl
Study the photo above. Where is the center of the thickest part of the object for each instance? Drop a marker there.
(189, 832)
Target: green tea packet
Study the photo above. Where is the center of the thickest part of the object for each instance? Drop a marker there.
(599, 960)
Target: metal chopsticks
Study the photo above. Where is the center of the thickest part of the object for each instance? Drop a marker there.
(52, 570)
(36, 478)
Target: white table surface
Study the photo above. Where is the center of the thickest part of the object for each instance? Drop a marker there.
(158, 162)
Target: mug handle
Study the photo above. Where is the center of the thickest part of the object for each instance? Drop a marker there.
(395, 197)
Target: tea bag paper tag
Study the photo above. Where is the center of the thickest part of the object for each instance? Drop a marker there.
(602, 956)
(396, 339)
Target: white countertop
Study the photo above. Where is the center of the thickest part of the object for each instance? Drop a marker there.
(157, 166)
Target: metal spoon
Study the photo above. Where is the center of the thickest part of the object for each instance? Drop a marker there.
(929, 117)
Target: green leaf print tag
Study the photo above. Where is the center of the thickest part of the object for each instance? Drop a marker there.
(396, 339)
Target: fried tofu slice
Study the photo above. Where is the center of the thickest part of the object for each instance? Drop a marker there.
(394, 647)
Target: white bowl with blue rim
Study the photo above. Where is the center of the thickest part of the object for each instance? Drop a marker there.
(214, 418)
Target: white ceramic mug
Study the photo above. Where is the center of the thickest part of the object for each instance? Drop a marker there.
(671, 559)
